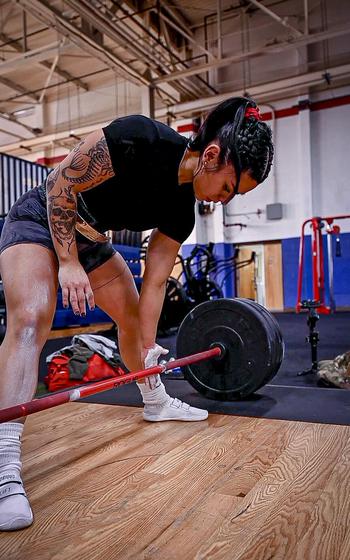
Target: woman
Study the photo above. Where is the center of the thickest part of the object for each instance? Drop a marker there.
(137, 174)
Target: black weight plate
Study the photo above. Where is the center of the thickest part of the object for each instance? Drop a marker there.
(276, 335)
(277, 343)
(247, 338)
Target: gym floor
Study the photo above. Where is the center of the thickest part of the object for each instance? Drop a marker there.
(105, 484)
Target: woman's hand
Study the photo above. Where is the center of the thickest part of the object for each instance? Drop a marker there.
(152, 355)
(76, 289)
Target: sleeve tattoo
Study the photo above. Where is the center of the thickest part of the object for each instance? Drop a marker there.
(84, 169)
(62, 213)
(80, 171)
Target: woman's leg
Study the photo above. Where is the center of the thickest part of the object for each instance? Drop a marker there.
(115, 292)
(29, 275)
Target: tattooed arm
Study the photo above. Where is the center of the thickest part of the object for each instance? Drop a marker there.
(85, 167)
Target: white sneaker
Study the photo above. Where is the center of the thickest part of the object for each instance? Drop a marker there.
(15, 510)
(173, 409)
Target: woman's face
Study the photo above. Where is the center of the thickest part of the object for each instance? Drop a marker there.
(216, 183)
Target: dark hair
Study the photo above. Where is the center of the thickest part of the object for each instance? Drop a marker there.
(246, 142)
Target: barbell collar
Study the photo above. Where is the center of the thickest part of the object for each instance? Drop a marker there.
(222, 348)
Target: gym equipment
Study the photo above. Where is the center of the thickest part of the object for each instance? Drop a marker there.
(252, 345)
(240, 337)
(127, 237)
(313, 338)
(175, 306)
(318, 284)
(195, 286)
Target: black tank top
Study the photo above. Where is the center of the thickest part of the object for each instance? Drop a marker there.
(144, 194)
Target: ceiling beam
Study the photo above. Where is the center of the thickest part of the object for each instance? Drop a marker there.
(156, 57)
(54, 18)
(149, 30)
(122, 35)
(17, 87)
(17, 45)
(35, 55)
(185, 34)
(282, 21)
(269, 49)
(259, 92)
(177, 15)
(51, 138)
(8, 117)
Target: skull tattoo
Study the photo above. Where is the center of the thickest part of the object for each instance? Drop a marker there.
(62, 214)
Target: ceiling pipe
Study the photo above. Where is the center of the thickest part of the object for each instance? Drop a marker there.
(17, 46)
(35, 55)
(219, 30)
(53, 18)
(306, 17)
(268, 89)
(282, 21)
(186, 35)
(172, 55)
(260, 51)
(112, 29)
(183, 109)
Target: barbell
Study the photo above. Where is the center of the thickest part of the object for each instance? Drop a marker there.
(227, 349)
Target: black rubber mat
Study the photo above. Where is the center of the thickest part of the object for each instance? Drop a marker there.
(305, 404)
(287, 397)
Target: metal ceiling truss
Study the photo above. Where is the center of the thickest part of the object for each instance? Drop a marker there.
(35, 55)
(165, 40)
(18, 46)
(8, 117)
(261, 92)
(154, 53)
(17, 87)
(149, 37)
(254, 53)
(283, 21)
(53, 18)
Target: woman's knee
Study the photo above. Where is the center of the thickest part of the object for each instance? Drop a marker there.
(29, 326)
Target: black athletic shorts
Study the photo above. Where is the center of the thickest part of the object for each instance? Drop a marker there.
(27, 223)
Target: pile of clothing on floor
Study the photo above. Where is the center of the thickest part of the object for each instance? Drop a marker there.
(90, 357)
(336, 372)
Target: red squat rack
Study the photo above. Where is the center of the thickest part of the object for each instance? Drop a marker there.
(318, 275)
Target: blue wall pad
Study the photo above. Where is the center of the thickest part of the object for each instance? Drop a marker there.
(341, 270)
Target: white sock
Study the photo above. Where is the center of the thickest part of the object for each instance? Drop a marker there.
(156, 395)
(15, 511)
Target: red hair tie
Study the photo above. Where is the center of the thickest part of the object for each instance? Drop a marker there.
(253, 112)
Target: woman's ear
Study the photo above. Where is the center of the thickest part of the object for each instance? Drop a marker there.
(211, 154)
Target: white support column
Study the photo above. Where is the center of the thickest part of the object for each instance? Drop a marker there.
(147, 101)
(304, 172)
(209, 228)
(219, 30)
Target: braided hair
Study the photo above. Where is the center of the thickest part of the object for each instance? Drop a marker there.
(245, 140)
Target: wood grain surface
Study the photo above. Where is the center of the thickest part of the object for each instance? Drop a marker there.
(104, 485)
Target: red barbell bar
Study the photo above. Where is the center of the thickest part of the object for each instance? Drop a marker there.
(36, 405)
